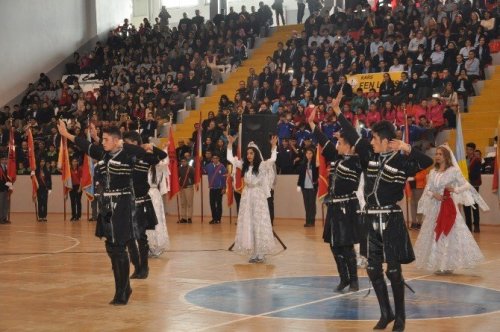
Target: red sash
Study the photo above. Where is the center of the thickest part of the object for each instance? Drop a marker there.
(446, 217)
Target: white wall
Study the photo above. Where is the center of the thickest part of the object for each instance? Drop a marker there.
(36, 36)
(288, 203)
(176, 13)
(110, 13)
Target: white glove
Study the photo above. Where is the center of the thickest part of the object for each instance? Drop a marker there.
(32, 173)
(8, 184)
(50, 191)
(299, 189)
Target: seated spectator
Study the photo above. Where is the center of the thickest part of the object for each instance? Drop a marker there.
(472, 66)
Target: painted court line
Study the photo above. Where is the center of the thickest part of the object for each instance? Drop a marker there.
(266, 314)
(77, 243)
(296, 306)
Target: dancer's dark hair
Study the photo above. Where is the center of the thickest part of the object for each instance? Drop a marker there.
(256, 162)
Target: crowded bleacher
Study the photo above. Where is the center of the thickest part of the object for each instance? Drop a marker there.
(432, 53)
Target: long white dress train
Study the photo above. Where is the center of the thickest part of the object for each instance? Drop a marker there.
(158, 238)
(254, 233)
(458, 249)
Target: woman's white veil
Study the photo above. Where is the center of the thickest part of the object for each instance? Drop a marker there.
(470, 196)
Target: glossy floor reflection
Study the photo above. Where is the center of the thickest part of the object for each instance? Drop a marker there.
(313, 298)
(57, 277)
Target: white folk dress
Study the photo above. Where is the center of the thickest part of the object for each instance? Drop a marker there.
(458, 249)
(158, 238)
(254, 233)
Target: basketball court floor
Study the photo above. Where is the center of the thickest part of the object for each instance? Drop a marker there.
(57, 277)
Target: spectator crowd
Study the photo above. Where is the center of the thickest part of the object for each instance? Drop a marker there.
(436, 50)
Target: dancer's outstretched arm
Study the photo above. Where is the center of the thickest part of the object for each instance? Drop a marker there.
(329, 151)
(234, 161)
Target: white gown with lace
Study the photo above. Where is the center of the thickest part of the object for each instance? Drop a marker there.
(458, 249)
(158, 238)
(254, 233)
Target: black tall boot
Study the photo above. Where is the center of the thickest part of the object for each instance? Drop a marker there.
(144, 253)
(380, 287)
(133, 251)
(121, 271)
(343, 273)
(398, 292)
(352, 267)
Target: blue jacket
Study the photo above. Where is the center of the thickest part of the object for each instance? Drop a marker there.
(216, 176)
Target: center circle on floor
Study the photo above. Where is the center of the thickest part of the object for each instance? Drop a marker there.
(313, 298)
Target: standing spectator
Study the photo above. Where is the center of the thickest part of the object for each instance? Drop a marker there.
(5, 187)
(301, 6)
(44, 189)
(186, 180)
(286, 156)
(217, 184)
(278, 8)
(417, 185)
(75, 194)
(474, 168)
(308, 185)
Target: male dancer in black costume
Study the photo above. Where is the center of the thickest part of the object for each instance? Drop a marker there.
(116, 203)
(341, 227)
(144, 210)
(385, 172)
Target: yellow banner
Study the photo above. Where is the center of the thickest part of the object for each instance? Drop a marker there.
(371, 81)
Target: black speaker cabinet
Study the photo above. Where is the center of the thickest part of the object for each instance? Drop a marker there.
(259, 128)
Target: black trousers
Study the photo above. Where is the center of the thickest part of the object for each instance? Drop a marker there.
(270, 204)
(279, 12)
(76, 202)
(309, 196)
(216, 204)
(472, 213)
(237, 198)
(42, 197)
(465, 98)
(300, 12)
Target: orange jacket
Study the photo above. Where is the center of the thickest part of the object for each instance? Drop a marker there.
(421, 178)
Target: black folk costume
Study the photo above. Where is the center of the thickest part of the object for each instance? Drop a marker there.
(116, 221)
(388, 241)
(144, 212)
(342, 229)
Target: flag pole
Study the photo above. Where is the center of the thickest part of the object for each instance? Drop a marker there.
(178, 209)
(201, 196)
(88, 209)
(8, 198)
(36, 208)
(65, 198)
(407, 140)
(323, 213)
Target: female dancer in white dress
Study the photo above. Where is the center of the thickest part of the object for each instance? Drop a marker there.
(254, 234)
(158, 238)
(445, 243)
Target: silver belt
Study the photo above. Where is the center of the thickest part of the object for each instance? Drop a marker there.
(338, 200)
(384, 211)
(116, 193)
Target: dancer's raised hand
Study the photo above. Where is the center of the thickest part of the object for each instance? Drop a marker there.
(396, 145)
(336, 103)
(274, 141)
